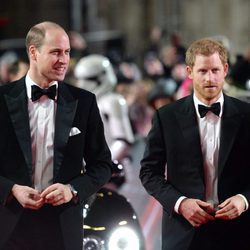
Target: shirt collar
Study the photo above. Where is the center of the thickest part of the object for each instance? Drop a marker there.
(197, 102)
(29, 82)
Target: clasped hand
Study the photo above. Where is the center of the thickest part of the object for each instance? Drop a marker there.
(55, 195)
(198, 212)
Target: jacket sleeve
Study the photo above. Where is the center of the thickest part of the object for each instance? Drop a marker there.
(97, 157)
(5, 189)
(153, 173)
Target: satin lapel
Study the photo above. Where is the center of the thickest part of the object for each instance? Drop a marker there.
(229, 127)
(17, 105)
(66, 109)
(187, 119)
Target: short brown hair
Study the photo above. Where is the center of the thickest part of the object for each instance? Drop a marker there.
(206, 47)
(37, 34)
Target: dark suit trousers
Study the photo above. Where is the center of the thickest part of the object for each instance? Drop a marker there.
(219, 235)
(37, 230)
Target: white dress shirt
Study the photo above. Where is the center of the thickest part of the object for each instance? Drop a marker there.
(42, 127)
(209, 129)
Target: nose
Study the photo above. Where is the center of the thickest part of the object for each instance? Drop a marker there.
(209, 76)
(63, 58)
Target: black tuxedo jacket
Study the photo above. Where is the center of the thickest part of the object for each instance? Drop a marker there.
(75, 108)
(174, 140)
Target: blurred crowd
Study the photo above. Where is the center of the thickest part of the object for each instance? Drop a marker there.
(158, 80)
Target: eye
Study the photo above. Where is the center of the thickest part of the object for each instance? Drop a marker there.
(202, 71)
(67, 52)
(215, 70)
(55, 52)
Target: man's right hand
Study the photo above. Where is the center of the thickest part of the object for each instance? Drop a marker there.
(28, 197)
(197, 212)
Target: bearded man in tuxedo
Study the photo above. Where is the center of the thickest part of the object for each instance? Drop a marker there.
(196, 161)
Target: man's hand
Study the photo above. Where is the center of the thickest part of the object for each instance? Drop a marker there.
(57, 194)
(197, 212)
(27, 196)
(231, 208)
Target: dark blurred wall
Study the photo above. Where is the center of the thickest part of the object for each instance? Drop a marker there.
(21, 15)
(133, 19)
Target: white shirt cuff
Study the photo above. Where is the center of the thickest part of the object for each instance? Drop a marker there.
(246, 202)
(177, 204)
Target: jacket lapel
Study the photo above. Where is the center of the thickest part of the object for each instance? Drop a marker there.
(187, 120)
(230, 124)
(16, 102)
(66, 109)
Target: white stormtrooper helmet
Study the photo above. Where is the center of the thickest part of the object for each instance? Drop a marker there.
(96, 74)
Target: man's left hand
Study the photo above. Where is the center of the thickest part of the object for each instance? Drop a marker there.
(57, 194)
(231, 208)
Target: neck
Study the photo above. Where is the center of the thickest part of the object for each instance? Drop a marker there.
(207, 101)
(38, 80)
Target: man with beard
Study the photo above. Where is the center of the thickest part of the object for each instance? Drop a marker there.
(196, 161)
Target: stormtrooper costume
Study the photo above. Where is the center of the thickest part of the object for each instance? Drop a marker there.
(95, 73)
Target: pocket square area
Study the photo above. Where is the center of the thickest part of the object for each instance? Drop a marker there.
(74, 131)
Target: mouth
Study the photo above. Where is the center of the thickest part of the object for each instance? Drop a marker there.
(211, 87)
(60, 70)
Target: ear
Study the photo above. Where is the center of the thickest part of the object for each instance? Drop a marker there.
(32, 52)
(226, 68)
(189, 72)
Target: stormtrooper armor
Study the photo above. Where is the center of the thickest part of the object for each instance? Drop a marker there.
(95, 73)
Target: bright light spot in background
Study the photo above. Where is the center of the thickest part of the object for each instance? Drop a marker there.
(124, 238)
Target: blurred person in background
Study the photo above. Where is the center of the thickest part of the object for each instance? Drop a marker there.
(196, 161)
(78, 44)
(169, 59)
(53, 153)
(127, 73)
(162, 93)
(240, 70)
(140, 113)
(79, 49)
(175, 40)
(6, 60)
(179, 73)
(131, 86)
(153, 67)
(185, 89)
(17, 70)
(155, 41)
(185, 84)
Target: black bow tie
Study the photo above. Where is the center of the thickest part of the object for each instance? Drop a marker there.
(215, 108)
(37, 92)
